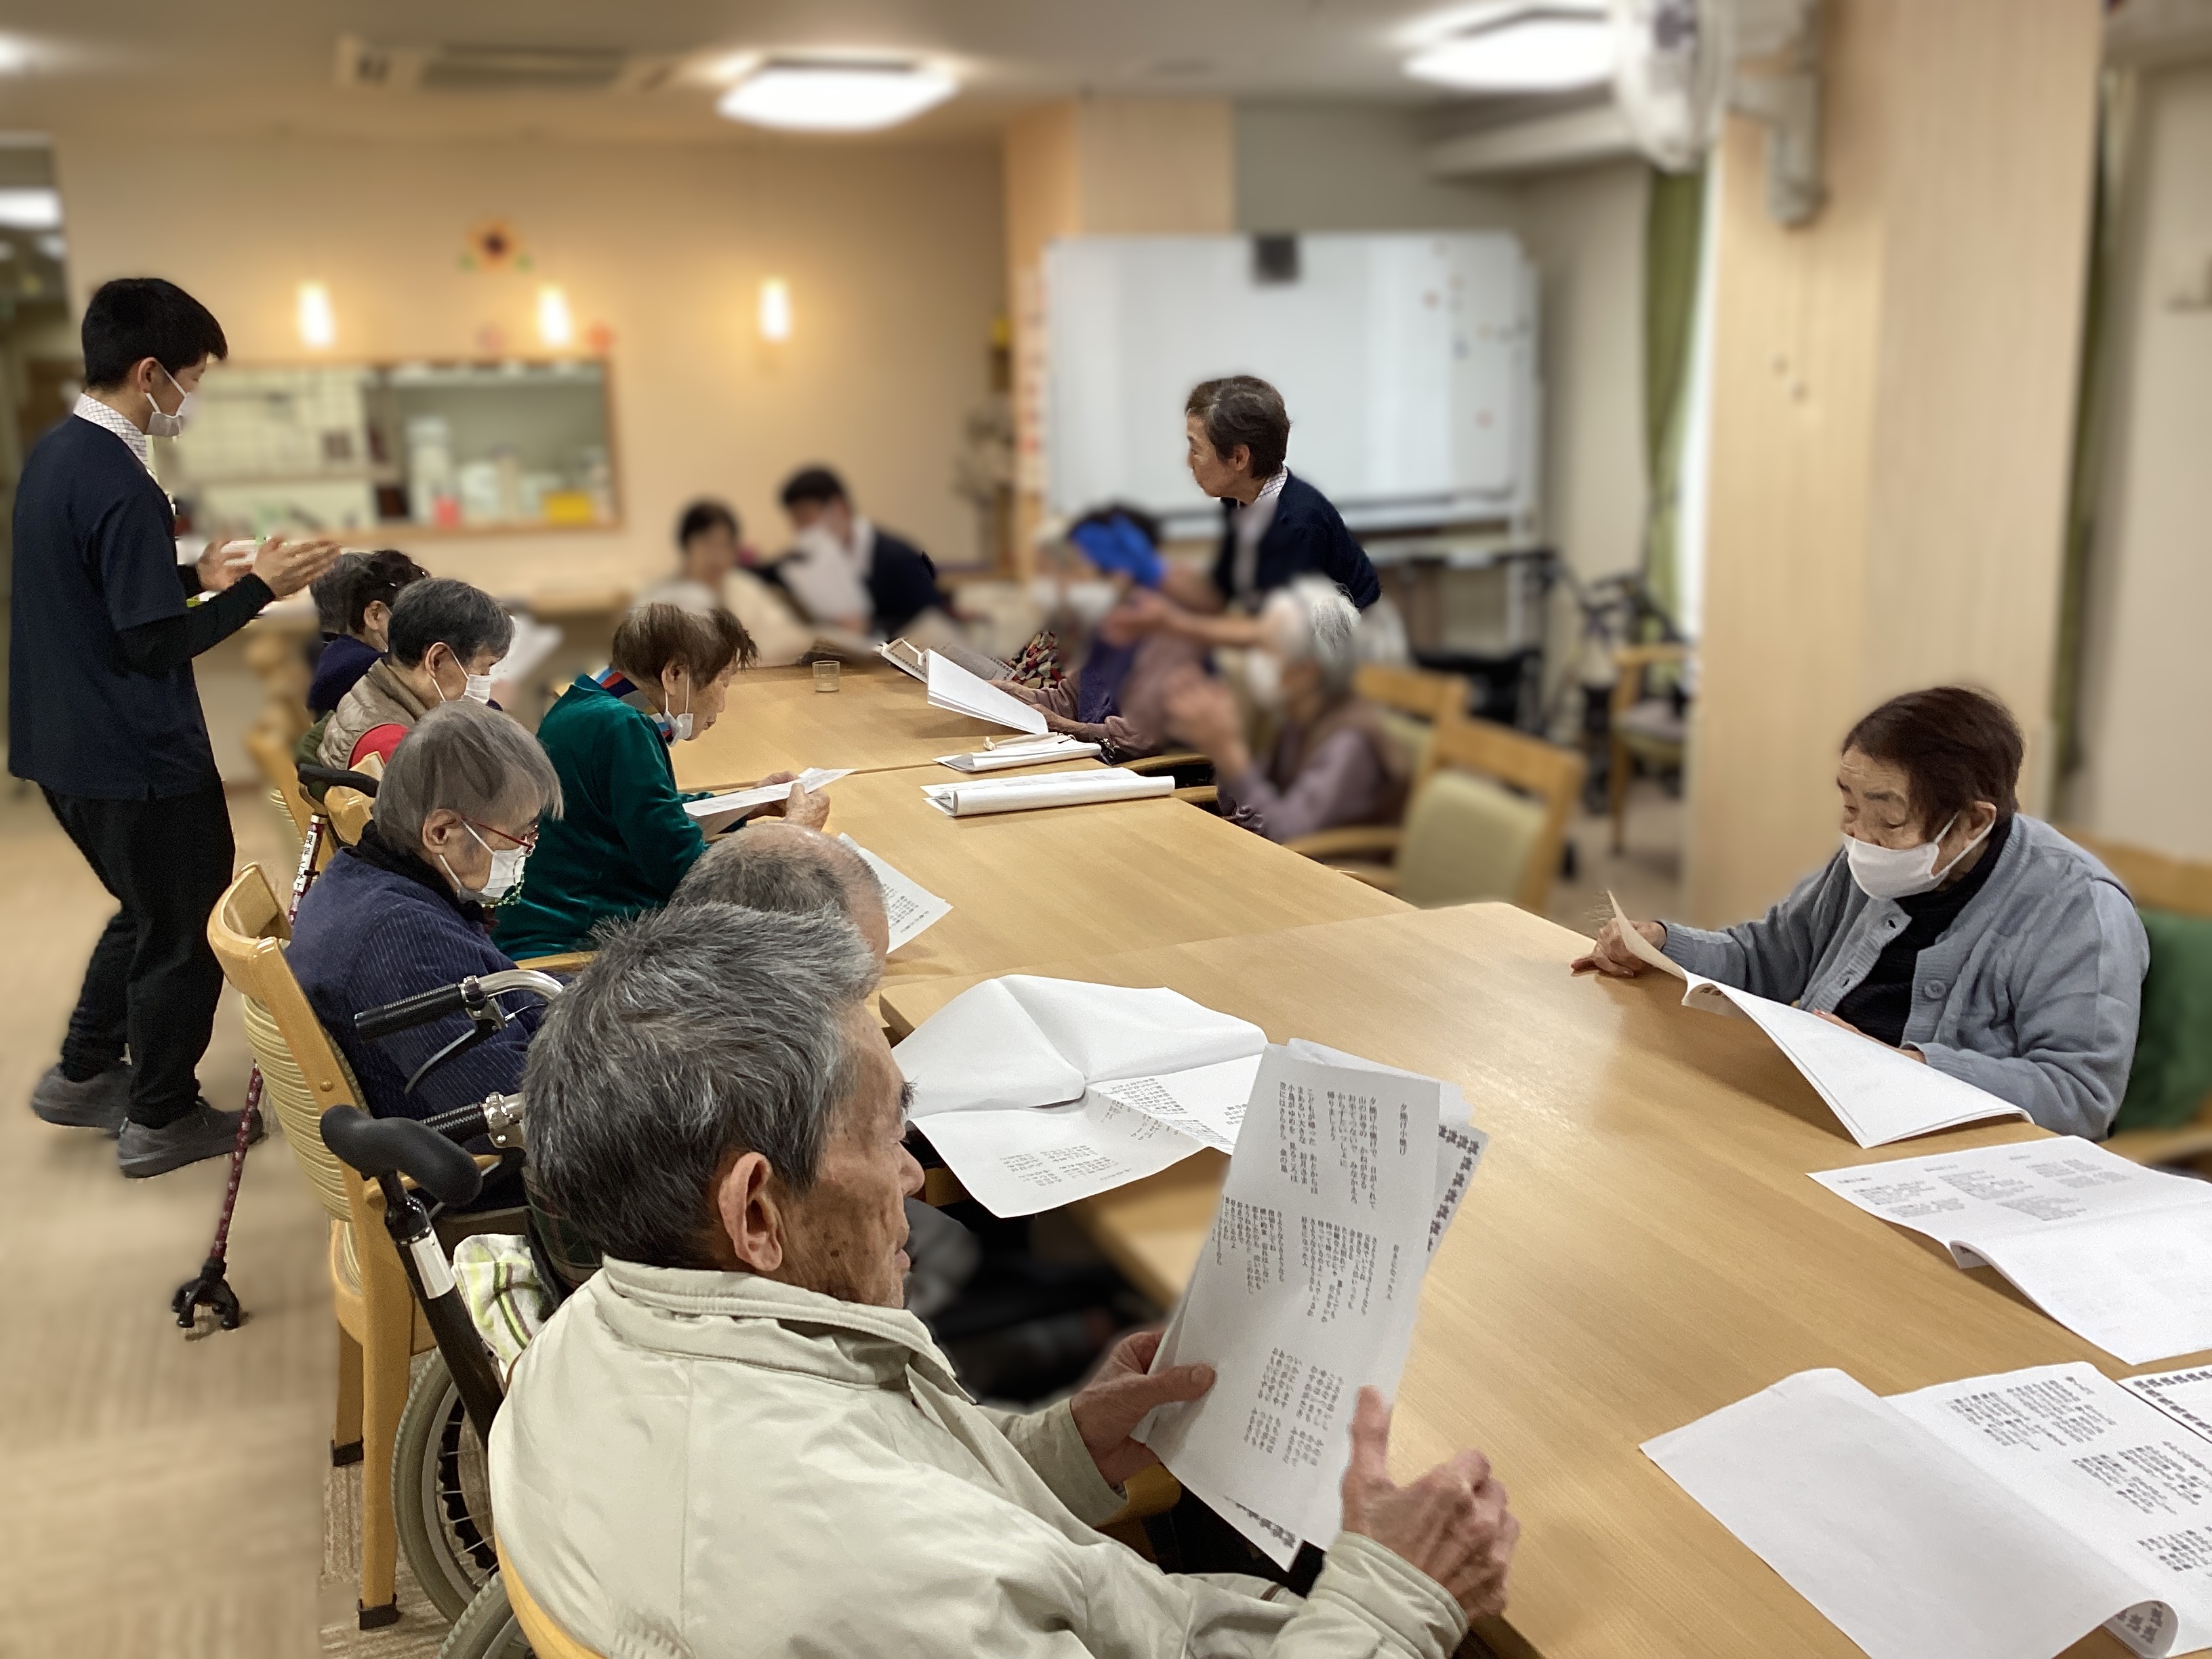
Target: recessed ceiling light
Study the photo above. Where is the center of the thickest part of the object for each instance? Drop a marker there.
(828, 95)
(35, 207)
(1536, 49)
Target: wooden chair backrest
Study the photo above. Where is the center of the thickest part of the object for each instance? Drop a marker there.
(275, 760)
(1631, 662)
(349, 812)
(1414, 691)
(2158, 880)
(302, 1074)
(1543, 770)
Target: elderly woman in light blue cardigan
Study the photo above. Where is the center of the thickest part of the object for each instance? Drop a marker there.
(1949, 924)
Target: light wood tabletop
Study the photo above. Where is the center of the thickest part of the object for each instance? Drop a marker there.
(1081, 881)
(776, 721)
(1641, 1247)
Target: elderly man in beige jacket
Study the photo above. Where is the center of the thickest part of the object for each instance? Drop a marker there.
(733, 1440)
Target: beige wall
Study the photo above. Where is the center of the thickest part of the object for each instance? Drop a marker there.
(1351, 167)
(893, 253)
(2147, 772)
(1891, 408)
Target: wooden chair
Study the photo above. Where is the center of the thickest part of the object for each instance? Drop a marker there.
(1413, 702)
(274, 759)
(1643, 729)
(2161, 882)
(1486, 818)
(380, 1330)
(547, 1639)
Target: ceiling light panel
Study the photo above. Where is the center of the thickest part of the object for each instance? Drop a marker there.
(805, 95)
(35, 207)
(1538, 49)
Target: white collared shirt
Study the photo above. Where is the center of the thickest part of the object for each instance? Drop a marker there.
(1251, 524)
(89, 408)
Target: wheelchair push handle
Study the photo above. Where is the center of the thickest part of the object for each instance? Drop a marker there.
(384, 1146)
(336, 777)
(470, 996)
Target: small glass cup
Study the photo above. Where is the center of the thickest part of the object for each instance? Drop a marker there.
(826, 670)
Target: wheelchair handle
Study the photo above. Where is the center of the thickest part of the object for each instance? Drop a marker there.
(381, 1147)
(497, 1117)
(336, 777)
(468, 996)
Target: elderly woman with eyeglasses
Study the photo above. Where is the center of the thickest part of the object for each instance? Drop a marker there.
(408, 910)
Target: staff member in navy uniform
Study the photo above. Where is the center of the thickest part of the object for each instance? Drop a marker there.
(104, 717)
(1275, 527)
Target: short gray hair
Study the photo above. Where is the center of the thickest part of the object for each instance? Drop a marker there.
(332, 592)
(781, 867)
(1312, 619)
(468, 759)
(697, 1032)
(465, 620)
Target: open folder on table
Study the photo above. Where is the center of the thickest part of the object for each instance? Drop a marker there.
(968, 800)
(1876, 1092)
(2115, 1253)
(1020, 751)
(951, 686)
(1344, 1177)
(1040, 1092)
(765, 794)
(1998, 1517)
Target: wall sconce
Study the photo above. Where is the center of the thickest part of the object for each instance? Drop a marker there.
(775, 310)
(555, 327)
(319, 324)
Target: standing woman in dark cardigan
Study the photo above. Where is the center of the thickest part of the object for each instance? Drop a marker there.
(625, 840)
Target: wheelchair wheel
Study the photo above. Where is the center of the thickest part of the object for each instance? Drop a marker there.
(486, 1630)
(441, 1493)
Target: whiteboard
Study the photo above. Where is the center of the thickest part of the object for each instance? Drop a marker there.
(1407, 363)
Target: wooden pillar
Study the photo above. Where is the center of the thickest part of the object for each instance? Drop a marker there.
(1892, 407)
(1099, 167)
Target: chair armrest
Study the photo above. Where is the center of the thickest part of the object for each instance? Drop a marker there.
(1326, 844)
(561, 962)
(1203, 795)
(1383, 878)
(1150, 765)
(1151, 1491)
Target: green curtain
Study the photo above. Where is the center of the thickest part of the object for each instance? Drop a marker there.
(1674, 231)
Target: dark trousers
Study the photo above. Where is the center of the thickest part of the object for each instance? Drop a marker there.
(153, 984)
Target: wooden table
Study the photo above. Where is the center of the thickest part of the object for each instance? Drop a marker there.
(776, 721)
(1642, 1247)
(1081, 881)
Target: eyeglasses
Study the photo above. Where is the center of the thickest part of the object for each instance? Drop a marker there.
(527, 842)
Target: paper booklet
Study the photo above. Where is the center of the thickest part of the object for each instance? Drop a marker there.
(2000, 1517)
(2115, 1253)
(1036, 1092)
(911, 908)
(1344, 1181)
(766, 794)
(968, 800)
(907, 657)
(1019, 751)
(951, 686)
(1876, 1092)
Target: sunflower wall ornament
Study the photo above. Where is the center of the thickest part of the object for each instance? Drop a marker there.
(493, 245)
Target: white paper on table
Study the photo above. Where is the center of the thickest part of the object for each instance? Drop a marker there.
(910, 908)
(2184, 1395)
(2123, 1479)
(764, 794)
(2117, 1253)
(1306, 1292)
(1907, 1545)
(967, 800)
(1878, 1093)
(1024, 751)
(951, 686)
(1064, 1076)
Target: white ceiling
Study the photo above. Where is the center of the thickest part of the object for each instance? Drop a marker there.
(255, 66)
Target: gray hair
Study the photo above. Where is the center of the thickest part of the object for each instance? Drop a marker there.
(465, 620)
(781, 867)
(468, 759)
(697, 1032)
(1311, 618)
(332, 592)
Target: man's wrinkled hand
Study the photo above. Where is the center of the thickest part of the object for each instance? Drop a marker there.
(1115, 1401)
(808, 809)
(221, 565)
(1453, 1523)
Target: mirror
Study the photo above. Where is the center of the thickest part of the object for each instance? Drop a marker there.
(420, 445)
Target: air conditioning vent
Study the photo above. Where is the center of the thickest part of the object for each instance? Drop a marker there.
(464, 68)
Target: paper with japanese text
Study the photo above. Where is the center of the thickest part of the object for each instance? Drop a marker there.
(909, 907)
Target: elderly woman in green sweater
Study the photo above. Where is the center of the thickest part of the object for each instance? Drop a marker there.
(626, 839)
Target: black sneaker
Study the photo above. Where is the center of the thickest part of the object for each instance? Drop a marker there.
(97, 1103)
(201, 1133)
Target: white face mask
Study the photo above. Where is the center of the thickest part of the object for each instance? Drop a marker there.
(679, 725)
(478, 688)
(1263, 678)
(506, 875)
(158, 425)
(1896, 872)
